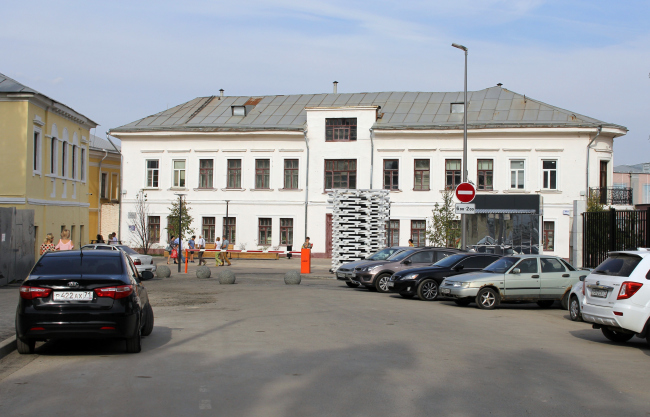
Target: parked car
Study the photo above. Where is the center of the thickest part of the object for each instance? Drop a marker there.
(576, 298)
(83, 294)
(376, 275)
(536, 278)
(141, 262)
(425, 282)
(617, 296)
(346, 271)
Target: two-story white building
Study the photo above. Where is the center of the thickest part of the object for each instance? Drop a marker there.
(268, 162)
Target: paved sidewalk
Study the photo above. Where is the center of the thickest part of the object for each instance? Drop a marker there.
(8, 303)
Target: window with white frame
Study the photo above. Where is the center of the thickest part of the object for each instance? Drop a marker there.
(53, 152)
(82, 167)
(73, 171)
(549, 236)
(153, 166)
(104, 186)
(37, 151)
(179, 173)
(549, 173)
(64, 157)
(517, 174)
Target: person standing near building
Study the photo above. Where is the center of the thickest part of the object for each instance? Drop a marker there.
(65, 243)
(200, 245)
(170, 248)
(411, 243)
(307, 244)
(177, 244)
(224, 251)
(191, 246)
(217, 253)
(48, 244)
(114, 239)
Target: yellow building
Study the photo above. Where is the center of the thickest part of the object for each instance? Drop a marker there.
(104, 185)
(44, 161)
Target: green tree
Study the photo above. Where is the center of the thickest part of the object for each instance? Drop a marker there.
(443, 227)
(593, 202)
(186, 219)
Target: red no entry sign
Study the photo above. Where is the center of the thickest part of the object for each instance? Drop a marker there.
(465, 192)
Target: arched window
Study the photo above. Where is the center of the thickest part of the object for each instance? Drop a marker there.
(53, 155)
(74, 162)
(64, 146)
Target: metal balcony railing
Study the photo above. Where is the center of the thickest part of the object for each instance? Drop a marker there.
(613, 195)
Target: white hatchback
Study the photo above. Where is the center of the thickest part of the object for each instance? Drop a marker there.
(617, 296)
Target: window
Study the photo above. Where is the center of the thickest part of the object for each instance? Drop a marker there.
(230, 228)
(234, 173)
(262, 173)
(83, 165)
(477, 262)
(422, 174)
(73, 171)
(37, 151)
(341, 130)
(115, 187)
(340, 173)
(457, 107)
(209, 229)
(517, 174)
(103, 192)
(527, 266)
(179, 174)
(549, 236)
(153, 228)
(549, 170)
(264, 234)
(152, 173)
(205, 173)
(286, 231)
(418, 229)
(391, 174)
(551, 265)
(392, 232)
(53, 151)
(422, 257)
(64, 147)
(291, 174)
(452, 173)
(485, 174)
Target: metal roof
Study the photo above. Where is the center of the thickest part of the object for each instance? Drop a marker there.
(100, 144)
(489, 108)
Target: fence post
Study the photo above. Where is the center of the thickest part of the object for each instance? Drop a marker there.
(612, 229)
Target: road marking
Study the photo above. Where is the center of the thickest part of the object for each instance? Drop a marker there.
(203, 388)
(205, 405)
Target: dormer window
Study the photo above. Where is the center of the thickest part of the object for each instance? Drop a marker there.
(239, 110)
(341, 129)
(458, 107)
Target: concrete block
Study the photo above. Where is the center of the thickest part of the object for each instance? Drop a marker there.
(163, 271)
(292, 278)
(226, 277)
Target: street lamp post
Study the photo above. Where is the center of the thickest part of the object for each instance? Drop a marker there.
(180, 240)
(463, 219)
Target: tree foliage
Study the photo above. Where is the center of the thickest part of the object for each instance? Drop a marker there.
(138, 223)
(443, 227)
(593, 203)
(186, 219)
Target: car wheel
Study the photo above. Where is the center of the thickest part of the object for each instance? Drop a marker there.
(407, 294)
(545, 303)
(428, 290)
(463, 302)
(133, 344)
(352, 284)
(487, 299)
(616, 336)
(148, 320)
(574, 309)
(381, 282)
(565, 301)
(25, 346)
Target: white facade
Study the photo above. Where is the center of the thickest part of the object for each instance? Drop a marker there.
(565, 145)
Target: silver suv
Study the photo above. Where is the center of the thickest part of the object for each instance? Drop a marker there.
(345, 272)
(375, 275)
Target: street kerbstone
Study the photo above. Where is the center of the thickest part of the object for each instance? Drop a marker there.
(163, 271)
(292, 278)
(226, 277)
(203, 272)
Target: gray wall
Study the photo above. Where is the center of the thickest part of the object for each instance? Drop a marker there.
(16, 244)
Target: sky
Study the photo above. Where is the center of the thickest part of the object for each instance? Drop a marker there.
(119, 61)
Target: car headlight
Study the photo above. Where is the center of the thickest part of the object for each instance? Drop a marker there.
(411, 276)
(458, 284)
(370, 268)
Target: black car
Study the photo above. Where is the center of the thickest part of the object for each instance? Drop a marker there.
(83, 294)
(424, 282)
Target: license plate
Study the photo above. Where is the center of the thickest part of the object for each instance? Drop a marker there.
(599, 293)
(340, 275)
(73, 296)
(445, 290)
(391, 284)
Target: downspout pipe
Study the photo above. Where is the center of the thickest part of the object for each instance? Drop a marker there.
(99, 194)
(306, 181)
(119, 196)
(600, 129)
(372, 153)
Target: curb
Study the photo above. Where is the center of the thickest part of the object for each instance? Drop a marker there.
(7, 346)
(310, 276)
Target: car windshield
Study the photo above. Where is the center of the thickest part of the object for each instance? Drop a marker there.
(449, 261)
(618, 265)
(382, 254)
(400, 255)
(501, 266)
(128, 250)
(78, 265)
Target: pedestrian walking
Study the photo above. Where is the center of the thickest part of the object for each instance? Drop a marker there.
(65, 243)
(191, 246)
(100, 239)
(179, 249)
(48, 244)
(217, 253)
(224, 251)
(411, 243)
(170, 249)
(200, 246)
(307, 244)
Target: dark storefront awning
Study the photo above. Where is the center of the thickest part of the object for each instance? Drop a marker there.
(502, 204)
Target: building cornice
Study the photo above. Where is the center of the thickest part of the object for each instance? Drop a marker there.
(48, 104)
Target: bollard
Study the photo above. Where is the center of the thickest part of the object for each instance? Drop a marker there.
(305, 261)
(186, 251)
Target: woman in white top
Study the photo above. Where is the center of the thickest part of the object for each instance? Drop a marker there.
(217, 254)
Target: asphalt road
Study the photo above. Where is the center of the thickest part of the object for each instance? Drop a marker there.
(260, 348)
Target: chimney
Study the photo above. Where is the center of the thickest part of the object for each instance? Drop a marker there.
(336, 83)
(220, 94)
(499, 84)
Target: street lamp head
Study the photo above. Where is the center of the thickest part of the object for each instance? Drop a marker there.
(455, 45)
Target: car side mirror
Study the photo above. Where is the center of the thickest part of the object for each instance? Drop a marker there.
(407, 262)
(582, 277)
(459, 267)
(516, 271)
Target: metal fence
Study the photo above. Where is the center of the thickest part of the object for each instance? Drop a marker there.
(16, 244)
(613, 230)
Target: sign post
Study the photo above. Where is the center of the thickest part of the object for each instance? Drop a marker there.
(465, 193)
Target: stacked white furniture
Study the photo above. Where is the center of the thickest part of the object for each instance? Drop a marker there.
(358, 224)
